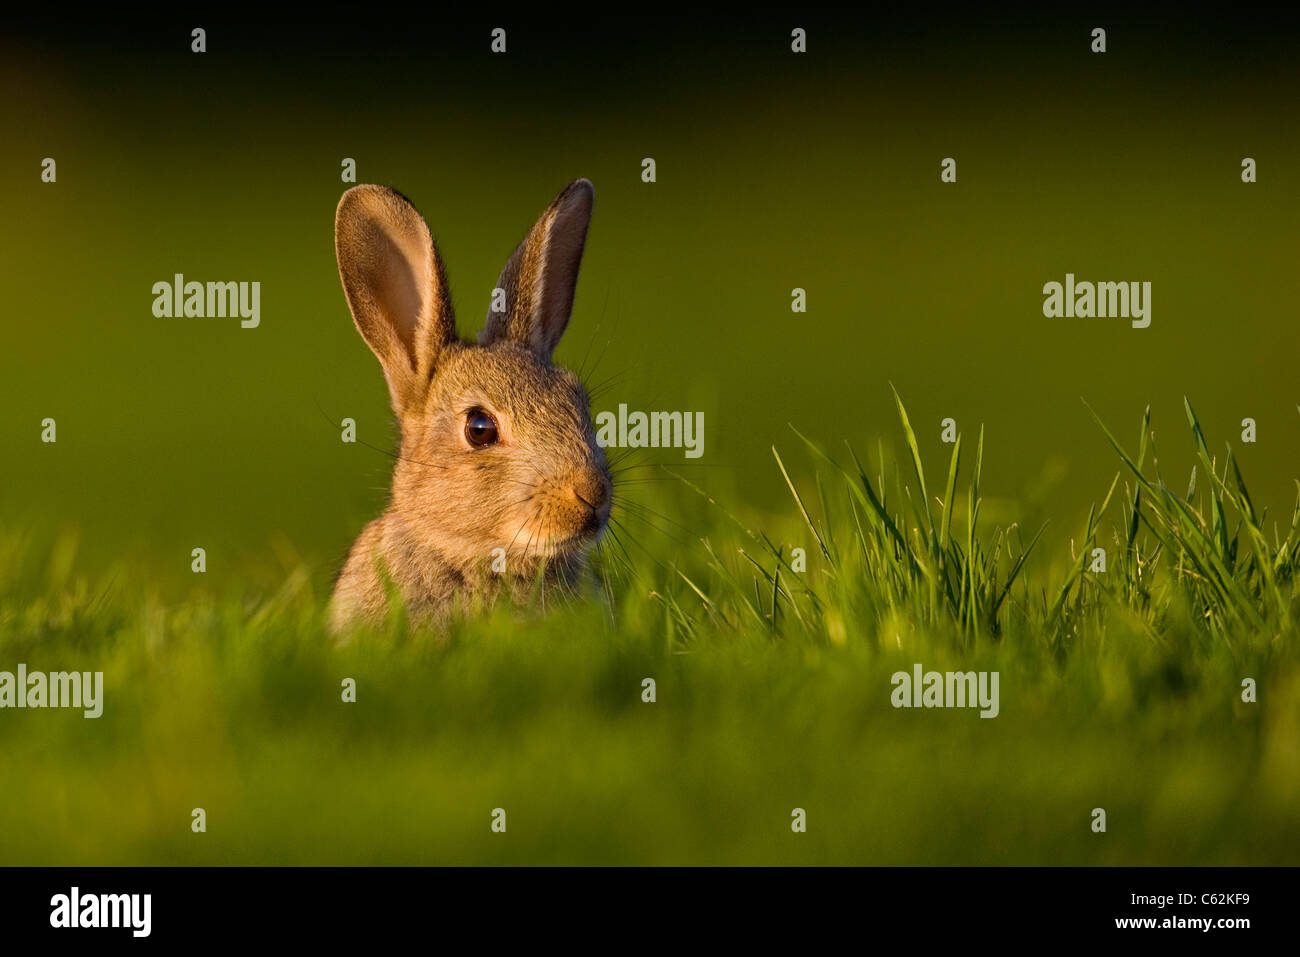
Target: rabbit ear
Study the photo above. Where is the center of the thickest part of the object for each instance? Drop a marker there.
(540, 278)
(396, 288)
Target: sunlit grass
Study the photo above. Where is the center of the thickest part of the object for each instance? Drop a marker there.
(1120, 690)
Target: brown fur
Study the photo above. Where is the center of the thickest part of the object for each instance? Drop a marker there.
(542, 493)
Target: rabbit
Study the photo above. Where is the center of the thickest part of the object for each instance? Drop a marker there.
(498, 466)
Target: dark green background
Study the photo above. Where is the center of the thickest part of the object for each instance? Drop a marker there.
(774, 171)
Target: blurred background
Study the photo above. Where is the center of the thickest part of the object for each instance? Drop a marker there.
(774, 171)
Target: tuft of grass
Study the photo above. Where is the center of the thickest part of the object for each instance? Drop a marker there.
(1233, 581)
(912, 559)
(917, 562)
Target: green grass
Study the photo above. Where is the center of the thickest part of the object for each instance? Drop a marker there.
(1119, 690)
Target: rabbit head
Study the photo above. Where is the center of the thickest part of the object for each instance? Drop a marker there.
(497, 451)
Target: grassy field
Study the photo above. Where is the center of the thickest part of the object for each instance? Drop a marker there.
(776, 172)
(1120, 690)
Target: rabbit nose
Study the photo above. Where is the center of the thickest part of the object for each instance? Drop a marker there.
(592, 489)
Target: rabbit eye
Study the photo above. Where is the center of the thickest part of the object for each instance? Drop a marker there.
(480, 429)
